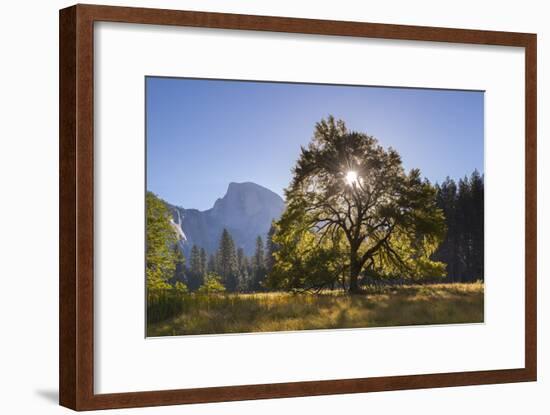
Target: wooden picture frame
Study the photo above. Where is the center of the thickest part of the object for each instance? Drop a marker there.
(76, 305)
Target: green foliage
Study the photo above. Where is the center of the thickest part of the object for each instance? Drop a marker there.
(212, 285)
(179, 263)
(212, 266)
(349, 195)
(259, 253)
(161, 258)
(196, 271)
(258, 265)
(303, 260)
(180, 287)
(203, 262)
(463, 247)
(243, 266)
(195, 261)
(227, 261)
(271, 248)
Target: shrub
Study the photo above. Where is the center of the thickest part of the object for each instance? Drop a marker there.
(181, 288)
(212, 284)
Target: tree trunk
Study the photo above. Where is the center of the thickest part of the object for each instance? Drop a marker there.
(354, 270)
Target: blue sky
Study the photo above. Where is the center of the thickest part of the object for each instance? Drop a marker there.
(204, 134)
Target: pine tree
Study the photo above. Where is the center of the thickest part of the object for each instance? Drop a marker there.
(477, 220)
(447, 251)
(203, 263)
(270, 249)
(212, 285)
(258, 263)
(242, 271)
(463, 247)
(464, 215)
(227, 261)
(179, 273)
(240, 257)
(194, 261)
(212, 266)
(195, 274)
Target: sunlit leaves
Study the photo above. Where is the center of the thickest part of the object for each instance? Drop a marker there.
(346, 187)
(212, 284)
(160, 257)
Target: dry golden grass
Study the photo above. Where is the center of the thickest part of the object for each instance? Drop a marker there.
(278, 311)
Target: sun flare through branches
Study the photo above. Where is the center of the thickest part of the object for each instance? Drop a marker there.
(351, 178)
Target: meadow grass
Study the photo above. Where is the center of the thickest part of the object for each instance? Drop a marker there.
(281, 311)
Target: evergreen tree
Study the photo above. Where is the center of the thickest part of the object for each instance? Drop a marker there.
(463, 247)
(240, 258)
(194, 273)
(179, 273)
(211, 285)
(212, 266)
(247, 274)
(258, 263)
(478, 215)
(464, 219)
(270, 249)
(227, 261)
(448, 250)
(194, 262)
(203, 262)
(160, 240)
(242, 271)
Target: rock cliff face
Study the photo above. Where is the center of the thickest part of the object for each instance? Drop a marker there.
(246, 211)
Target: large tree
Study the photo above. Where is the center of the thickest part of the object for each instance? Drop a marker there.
(243, 283)
(227, 261)
(258, 264)
(463, 247)
(447, 252)
(161, 258)
(477, 190)
(346, 186)
(212, 266)
(195, 272)
(270, 249)
(203, 262)
(179, 272)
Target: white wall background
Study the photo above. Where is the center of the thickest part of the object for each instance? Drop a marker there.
(29, 208)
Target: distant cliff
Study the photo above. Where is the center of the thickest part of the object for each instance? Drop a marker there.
(246, 211)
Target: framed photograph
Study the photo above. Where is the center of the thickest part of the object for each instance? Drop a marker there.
(258, 207)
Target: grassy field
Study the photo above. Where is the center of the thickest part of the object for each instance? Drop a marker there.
(378, 307)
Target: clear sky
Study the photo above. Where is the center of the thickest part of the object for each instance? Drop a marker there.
(204, 134)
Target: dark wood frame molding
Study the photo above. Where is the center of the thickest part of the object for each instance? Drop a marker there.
(76, 236)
